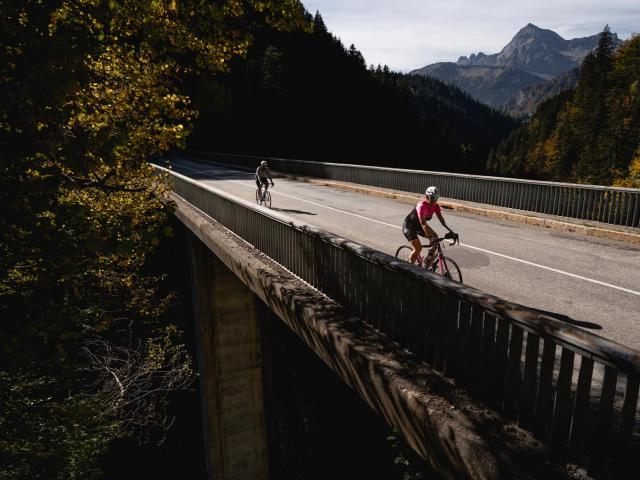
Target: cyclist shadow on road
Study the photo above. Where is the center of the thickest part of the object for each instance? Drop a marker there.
(565, 318)
(285, 210)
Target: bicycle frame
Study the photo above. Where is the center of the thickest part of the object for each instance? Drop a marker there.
(441, 263)
(447, 267)
(263, 190)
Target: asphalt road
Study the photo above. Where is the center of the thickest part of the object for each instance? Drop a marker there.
(590, 282)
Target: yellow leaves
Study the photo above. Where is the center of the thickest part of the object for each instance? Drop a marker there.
(18, 279)
(117, 80)
(33, 173)
(233, 8)
(633, 177)
(23, 18)
(550, 148)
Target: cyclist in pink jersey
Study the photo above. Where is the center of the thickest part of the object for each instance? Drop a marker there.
(416, 224)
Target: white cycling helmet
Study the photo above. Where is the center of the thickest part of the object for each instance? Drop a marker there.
(263, 163)
(432, 192)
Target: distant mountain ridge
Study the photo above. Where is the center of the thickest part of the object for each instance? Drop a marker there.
(539, 51)
(533, 56)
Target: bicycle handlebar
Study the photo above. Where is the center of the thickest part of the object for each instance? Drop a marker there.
(450, 236)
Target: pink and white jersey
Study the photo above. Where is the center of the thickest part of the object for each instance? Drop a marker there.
(426, 210)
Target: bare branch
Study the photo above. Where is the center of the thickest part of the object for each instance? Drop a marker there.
(136, 380)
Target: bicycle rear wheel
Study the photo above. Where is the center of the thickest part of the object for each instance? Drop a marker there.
(404, 252)
(267, 199)
(258, 196)
(451, 269)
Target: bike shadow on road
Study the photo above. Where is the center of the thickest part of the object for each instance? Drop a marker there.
(567, 319)
(285, 210)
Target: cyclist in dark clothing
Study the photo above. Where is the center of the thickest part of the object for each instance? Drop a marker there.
(263, 176)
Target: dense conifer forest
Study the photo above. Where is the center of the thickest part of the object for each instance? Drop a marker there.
(590, 134)
(302, 94)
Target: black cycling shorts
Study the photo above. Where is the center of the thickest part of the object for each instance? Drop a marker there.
(261, 181)
(411, 232)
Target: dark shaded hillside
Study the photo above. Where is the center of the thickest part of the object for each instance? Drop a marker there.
(590, 134)
(527, 100)
(304, 95)
(492, 85)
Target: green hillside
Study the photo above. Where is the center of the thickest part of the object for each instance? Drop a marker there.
(590, 134)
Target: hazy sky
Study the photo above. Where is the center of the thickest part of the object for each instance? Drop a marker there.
(408, 34)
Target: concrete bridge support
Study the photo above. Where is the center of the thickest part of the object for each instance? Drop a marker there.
(230, 364)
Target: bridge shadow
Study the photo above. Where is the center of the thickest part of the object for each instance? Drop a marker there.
(567, 319)
(432, 432)
(286, 210)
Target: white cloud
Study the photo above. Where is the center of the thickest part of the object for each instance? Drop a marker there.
(408, 34)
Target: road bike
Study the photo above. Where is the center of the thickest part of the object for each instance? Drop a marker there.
(441, 265)
(266, 197)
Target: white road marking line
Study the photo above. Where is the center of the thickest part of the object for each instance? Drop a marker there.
(553, 269)
(562, 272)
(300, 199)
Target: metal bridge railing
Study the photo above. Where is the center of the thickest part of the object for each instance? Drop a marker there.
(617, 206)
(573, 389)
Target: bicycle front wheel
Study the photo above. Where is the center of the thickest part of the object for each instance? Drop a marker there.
(267, 199)
(450, 270)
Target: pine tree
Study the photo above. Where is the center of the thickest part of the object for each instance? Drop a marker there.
(623, 107)
(594, 160)
(318, 24)
(356, 56)
(592, 134)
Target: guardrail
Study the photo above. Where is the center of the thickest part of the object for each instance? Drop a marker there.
(522, 363)
(617, 206)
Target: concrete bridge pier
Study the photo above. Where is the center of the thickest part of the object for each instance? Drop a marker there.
(230, 364)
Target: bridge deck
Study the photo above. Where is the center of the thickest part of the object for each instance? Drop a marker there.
(589, 282)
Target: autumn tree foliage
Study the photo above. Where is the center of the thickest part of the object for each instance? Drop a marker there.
(90, 90)
(588, 135)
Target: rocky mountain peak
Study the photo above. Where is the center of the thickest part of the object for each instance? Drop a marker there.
(532, 33)
(538, 51)
(533, 56)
